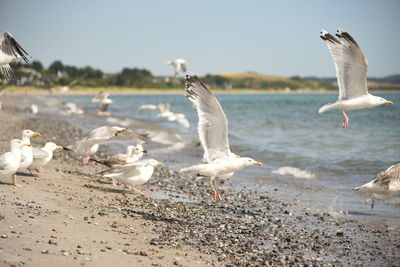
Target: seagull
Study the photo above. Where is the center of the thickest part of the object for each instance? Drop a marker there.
(73, 108)
(133, 153)
(164, 110)
(34, 108)
(9, 161)
(42, 156)
(179, 65)
(351, 72)
(90, 143)
(10, 50)
(171, 116)
(135, 173)
(148, 107)
(221, 163)
(387, 181)
(26, 151)
(180, 118)
(102, 98)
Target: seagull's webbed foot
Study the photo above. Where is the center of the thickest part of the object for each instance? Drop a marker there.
(345, 120)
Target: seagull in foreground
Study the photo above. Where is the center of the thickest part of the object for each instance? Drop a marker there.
(179, 65)
(90, 143)
(135, 173)
(221, 163)
(42, 156)
(351, 72)
(9, 161)
(10, 50)
(26, 151)
(386, 181)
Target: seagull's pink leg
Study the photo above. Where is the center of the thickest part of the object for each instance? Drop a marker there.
(345, 120)
(14, 179)
(217, 195)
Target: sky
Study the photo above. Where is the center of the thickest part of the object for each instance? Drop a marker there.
(269, 37)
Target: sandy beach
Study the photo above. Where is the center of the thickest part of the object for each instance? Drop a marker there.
(62, 219)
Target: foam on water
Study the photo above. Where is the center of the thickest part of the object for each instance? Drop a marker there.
(295, 172)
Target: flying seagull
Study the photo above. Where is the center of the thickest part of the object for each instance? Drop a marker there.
(10, 50)
(179, 65)
(90, 143)
(221, 163)
(351, 72)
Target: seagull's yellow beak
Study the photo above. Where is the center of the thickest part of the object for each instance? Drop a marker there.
(258, 163)
(27, 145)
(36, 134)
(160, 164)
(60, 147)
(237, 156)
(389, 102)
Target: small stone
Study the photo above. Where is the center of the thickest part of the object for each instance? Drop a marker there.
(52, 242)
(4, 236)
(45, 251)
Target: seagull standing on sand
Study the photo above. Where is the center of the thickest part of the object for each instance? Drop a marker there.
(221, 163)
(135, 173)
(42, 156)
(148, 107)
(26, 151)
(90, 143)
(351, 72)
(73, 108)
(179, 65)
(9, 161)
(10, 50)
(386, 181)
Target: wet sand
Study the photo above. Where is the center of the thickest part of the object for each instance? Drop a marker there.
(57, 219)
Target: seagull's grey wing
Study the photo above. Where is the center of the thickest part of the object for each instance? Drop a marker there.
(384, 178)
(350, 62)
(213, 125)
(101, 133)
(104, 107)
(9, 46)
(124, 168)
(39, 153)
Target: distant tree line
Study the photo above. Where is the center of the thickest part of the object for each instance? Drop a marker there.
(58, 74)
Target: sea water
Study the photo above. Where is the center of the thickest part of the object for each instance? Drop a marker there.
(309, 159)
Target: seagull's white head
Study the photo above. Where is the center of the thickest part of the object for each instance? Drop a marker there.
(380, 101)
(154, 163)
(16, 143)
(248, 161)
(52, 146)
(29, 133)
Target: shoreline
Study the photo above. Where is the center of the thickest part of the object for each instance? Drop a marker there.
(31, 91)
(57, 220)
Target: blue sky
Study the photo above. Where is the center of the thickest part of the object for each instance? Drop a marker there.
(271, 37)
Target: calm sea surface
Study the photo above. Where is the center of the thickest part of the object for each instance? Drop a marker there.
(280, 130)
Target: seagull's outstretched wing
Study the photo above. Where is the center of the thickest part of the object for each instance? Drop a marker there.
(350, 62)
(10, 47)
(213, 125)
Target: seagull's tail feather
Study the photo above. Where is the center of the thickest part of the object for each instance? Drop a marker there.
(327, 107)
